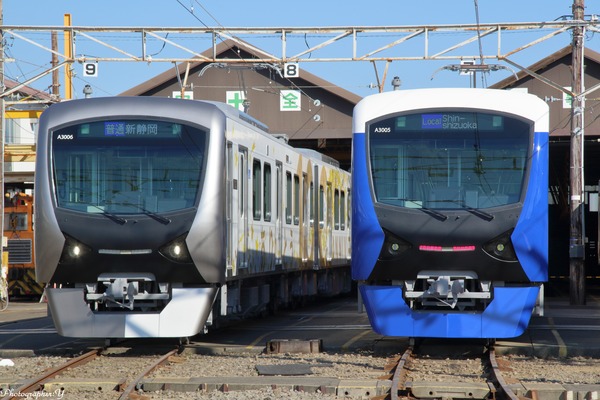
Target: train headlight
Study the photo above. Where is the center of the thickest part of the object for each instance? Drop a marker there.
(393, 247)
(176, 251)
(501, 247)
(73, 250)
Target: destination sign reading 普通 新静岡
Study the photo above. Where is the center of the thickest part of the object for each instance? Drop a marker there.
(130, 129)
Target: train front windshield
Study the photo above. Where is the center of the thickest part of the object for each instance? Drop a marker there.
(449, 159)
(127, 166)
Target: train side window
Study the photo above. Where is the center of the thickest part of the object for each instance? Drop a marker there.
(349, 209)
(278, 191)
(311, 191)
(267, 194)
(242, 186)
(336, 209)
(288, 197)
(305, 200)
(342, 210)
(256, 189)
(296, 199)
(321, 206)
(329, 200)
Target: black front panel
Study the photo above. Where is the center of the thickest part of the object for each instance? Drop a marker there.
(454, 242)
(140, 234)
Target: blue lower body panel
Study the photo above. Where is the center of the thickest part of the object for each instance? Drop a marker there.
(506, 316)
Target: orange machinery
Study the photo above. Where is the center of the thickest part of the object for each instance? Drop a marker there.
(18, 229)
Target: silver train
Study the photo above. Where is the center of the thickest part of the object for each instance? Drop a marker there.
(155, 217)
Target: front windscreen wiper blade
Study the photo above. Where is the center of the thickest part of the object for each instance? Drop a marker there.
(434, 213)
(475, 211)
(116, 218)
(158, 217)
(430, 211)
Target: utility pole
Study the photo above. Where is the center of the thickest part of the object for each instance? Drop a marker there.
(68, 43)
(577, 234)
(55, 73)
(2, 89)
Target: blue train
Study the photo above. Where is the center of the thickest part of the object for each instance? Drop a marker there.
(450, 211)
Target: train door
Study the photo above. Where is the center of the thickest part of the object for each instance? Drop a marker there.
(305, 222)
(278, 220)
(322, 243)
(314, 201)
(230, 207)
(345, 215)
(243, 208)
(329, 223)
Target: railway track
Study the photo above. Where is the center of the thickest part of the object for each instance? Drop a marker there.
(124, 390)
(37, 383)
(422, 372)
(134, 385)
(491, 385)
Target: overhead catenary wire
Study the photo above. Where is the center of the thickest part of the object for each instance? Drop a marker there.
(481, 58)
(240, 75)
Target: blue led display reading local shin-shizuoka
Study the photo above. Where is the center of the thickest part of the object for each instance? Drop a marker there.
(444, 121)
(447, 121)
(460, 121)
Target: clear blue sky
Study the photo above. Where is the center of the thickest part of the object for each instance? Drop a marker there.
(355, 76)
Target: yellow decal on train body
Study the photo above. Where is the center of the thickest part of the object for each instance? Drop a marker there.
(324, 230)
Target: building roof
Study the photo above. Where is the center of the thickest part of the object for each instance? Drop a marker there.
(258, 54)
(556, 68)
(28, 91)
(543, 63)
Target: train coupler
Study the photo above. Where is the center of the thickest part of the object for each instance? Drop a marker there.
(127, 291)
(454, 291)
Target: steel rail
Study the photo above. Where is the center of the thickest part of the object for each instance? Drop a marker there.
(36, 384)
(497, 376)
(399, 378)
(134, 384)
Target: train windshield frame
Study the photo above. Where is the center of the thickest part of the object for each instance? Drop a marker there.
(449, 159)
(128, 166)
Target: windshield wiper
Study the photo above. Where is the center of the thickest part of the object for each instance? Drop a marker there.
(430, 211)
(113, 217)
(475, 211)
(158, 217)
(434, 213)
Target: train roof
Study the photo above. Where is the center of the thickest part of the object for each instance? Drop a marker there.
(229, 112)
(233, 112)
(513, 102)
(101, 102)
(316, 155)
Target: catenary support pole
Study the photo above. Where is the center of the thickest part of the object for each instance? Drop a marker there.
(577, 203)
(2, 89)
